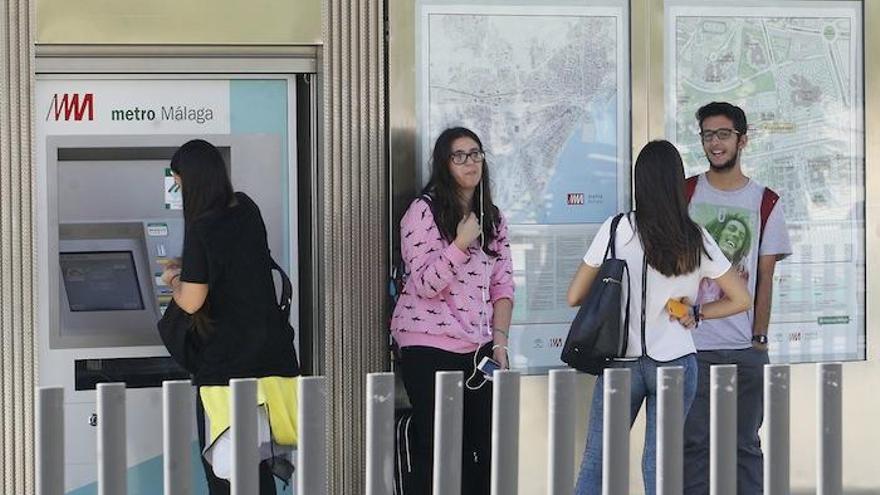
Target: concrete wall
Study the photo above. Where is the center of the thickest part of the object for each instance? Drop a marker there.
(265, 22)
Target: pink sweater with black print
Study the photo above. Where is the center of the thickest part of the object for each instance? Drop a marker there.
(442, 304)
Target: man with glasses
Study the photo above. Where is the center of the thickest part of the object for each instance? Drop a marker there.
(748, 223)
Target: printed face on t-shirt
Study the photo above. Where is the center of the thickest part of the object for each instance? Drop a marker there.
(734, 231)
(733, 238)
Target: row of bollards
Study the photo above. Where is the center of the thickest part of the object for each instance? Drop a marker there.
(177, 414)
(312, 449)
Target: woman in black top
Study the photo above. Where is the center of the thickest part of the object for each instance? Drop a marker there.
(225, 282)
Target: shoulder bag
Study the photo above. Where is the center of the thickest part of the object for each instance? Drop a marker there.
(184, 344)
(597, 334)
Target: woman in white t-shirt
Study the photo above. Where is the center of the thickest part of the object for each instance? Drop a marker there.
(678, 253)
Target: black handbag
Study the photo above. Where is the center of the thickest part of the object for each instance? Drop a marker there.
(184, 344)
(596, 335)
(180, 338)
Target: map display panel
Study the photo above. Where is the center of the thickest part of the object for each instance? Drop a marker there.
(797, 73)
(547, 90)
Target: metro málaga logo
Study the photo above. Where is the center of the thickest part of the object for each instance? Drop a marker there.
(72, 106)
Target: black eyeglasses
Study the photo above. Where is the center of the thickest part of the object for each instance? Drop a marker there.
(721, 134)
(460, 157)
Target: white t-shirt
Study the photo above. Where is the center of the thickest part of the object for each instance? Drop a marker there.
(666, 340)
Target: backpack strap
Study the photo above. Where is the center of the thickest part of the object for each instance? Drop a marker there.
(286, 291)
(397, 283)
(690, 186)
(768, 202)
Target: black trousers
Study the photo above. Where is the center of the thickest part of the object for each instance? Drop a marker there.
(418, 365)
(220, 486)
(749, 417)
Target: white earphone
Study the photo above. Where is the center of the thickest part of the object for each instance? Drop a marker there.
(484, 288)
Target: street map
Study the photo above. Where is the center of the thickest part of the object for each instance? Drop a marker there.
(547, 91)
(797, 74)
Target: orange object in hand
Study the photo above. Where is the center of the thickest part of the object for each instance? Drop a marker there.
(677, 308)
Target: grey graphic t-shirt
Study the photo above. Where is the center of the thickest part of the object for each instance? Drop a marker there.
(733, 218)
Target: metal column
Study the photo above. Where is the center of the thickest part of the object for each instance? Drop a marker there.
(380, 433)
(670, 430)
(561, 431)
(112, 464)
(448, 413)
(829, 475)
(243, 430)
(505, 432)
(311, 460)
(50, 441)
(177, 414)
(722, 443)
(777, 429)
(615, 427)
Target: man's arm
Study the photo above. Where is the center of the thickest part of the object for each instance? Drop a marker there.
(763, 296)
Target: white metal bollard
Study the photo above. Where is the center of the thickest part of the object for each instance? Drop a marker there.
(615, 431)
(112, 463)
(448, 414)
(311, 423)
(50, 441)
(505, 432)
(561, 428)
(177, 415)
(722, 431)
(777, 429)
(830, 473)
(380, 433)
(670, 430)
(243, 430)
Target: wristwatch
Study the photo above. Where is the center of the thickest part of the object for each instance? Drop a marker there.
(760, 339)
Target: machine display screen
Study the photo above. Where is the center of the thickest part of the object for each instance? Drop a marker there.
(101, 281)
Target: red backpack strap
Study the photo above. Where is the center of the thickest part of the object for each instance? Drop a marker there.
(690, 186)
(768, 201)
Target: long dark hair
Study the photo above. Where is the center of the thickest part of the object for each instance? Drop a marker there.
(444, 193)
(673, 242)
(205, 182)
(206, 188)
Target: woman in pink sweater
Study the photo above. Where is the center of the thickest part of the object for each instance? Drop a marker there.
(456, 304)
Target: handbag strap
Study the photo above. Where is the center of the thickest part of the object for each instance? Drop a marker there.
(612, 235)
(644, 302)
(626, 318)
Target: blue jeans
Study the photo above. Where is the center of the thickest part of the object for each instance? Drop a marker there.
(643, 375)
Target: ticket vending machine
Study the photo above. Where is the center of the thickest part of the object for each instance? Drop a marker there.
(112, 220)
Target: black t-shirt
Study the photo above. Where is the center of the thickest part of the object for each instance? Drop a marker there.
(228, 251)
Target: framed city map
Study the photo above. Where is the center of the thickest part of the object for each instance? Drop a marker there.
(547, 90)
(795, 67)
